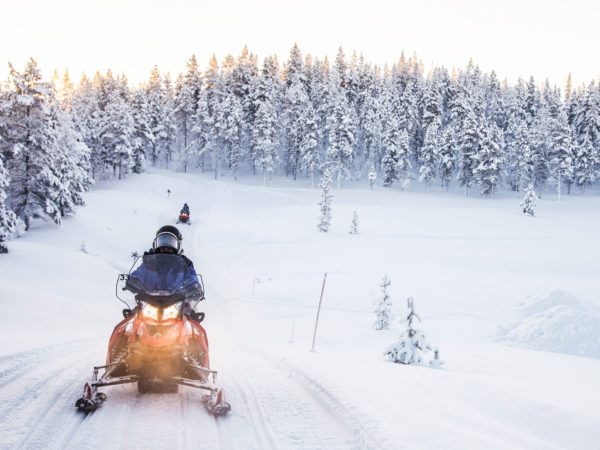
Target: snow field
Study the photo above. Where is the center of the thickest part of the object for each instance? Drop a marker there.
(466, 261)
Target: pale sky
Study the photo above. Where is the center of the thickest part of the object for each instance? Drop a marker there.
(546, 39)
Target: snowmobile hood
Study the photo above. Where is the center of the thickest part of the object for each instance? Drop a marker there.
(163, 279)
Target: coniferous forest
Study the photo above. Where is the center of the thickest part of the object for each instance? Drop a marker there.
(391, 126)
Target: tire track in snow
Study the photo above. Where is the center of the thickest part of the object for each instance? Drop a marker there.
(41, 399)
(14, 366)
(258, 419)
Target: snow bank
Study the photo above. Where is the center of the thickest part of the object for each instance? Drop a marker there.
(556, 321)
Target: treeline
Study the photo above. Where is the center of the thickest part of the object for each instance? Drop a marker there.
(362, 122)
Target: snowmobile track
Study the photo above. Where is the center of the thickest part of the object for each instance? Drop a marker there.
(12, 367)
(257, 414)
(352, 422)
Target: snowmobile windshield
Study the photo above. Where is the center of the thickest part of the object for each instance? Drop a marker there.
(164, 279)
(166, 240)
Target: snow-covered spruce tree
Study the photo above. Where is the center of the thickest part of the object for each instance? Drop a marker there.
(187, 94)
(202, 135)
(490, 160)
(429, 155)
(71, 163)
(561, 162)
(28, 144)
(383, 307)
(389, 162)
(404, 160)
(372, 176)
(528, 203)
(231, 130)
(309, 142)
(341, 127)
(586, 158)
(412, 345)
(325, 203)
(468, 139)
(114, 155)
(447, 156)
(371, 127)
(142, 141)
(266, 123)
(354, 224)
(520, 159)
(295, 101)
(9, 224)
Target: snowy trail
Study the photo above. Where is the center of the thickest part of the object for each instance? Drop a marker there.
(256, 249)
(270, 408)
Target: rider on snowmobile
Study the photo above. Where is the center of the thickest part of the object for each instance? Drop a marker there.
(166, 272)
(185, 209)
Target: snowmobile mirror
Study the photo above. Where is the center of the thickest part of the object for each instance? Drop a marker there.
(127, 313)
(198, 316)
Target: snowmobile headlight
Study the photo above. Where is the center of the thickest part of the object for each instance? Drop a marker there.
(150, 312)
(170, 312)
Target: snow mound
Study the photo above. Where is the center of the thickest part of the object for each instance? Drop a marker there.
(542, 302)
(558, 322)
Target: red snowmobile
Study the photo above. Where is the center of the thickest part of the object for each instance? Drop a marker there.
(158, 347)
(184, 218)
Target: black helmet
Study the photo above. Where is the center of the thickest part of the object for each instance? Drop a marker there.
(168, 239)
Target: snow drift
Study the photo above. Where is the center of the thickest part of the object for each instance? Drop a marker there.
(556, 321)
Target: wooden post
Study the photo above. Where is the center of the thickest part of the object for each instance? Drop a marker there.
(318, 312)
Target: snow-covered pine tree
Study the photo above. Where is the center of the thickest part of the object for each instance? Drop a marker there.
(266, 123)
(187, 93)
(447, 156)
(295, 101)
(371, 127)
(412, 345)
(433, 101)
(561, 161)
(354, 224)
(244, 80)
(495, 104)
(166, 131)
(404, 160)
(468, 138)
(341, 128)
(71, 163)
(528, 203)
(28, 144)
(540, 148)
(428, 155)
(9, 224)
(325, 203)
(372, 176)
(520, 159)
(383, 307)
(587, 115)
(586, 158)
(490, 159)
(309, 142)
(230, 119)
(86, 116)
(202, 134)
(143, 140)
(118, 126)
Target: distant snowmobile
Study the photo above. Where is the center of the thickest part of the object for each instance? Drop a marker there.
(184, 214)
(160, 344)
(184, 218)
